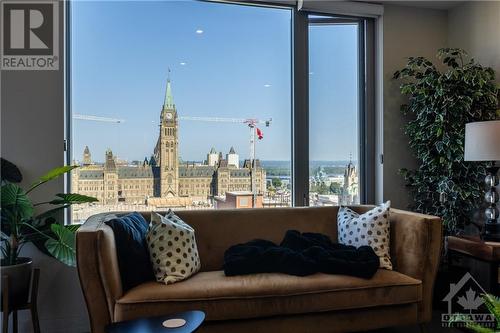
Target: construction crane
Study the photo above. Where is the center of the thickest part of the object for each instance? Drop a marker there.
(252, 125)
(266, 122)
(97, 118)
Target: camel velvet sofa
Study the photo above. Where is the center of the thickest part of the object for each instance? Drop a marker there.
(268, 302)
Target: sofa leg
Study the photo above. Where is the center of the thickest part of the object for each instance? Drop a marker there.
(423, 328)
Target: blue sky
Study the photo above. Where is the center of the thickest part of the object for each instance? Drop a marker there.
(240, 66)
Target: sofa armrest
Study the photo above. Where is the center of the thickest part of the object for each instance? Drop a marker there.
(98, 270)
(416, 243)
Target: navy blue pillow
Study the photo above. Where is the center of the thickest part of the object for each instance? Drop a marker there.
(131, 249)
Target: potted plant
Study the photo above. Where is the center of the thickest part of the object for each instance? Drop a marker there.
(440, 103)
(20, 225)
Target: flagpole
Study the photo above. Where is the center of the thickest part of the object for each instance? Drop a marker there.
(252, 162)
(254, 170)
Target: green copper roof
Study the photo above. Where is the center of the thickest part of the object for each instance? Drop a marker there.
(169, 99)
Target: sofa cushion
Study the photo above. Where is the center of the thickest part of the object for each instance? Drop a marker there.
(371, 228)
(172, 248)
(268, 294)
(132, 252)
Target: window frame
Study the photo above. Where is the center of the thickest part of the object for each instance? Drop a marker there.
(299, 114)
(300, 105)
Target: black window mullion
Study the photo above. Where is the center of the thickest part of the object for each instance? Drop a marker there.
(362, 135)
(300, 113)
(367, 111)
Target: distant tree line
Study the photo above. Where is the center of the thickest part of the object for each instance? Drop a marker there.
(322, 188)
(286, 172)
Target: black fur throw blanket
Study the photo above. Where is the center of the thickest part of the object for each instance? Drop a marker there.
(300, 254)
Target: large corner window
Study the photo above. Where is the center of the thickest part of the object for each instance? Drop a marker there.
(194, 106)
(186, 108)
(334, 109)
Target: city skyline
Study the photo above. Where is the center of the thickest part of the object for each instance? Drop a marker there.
(162, 181)
(78, 157)
(248, 77)
(219, 182)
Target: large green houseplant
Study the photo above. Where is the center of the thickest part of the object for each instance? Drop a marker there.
(21, 225)
(440, 103)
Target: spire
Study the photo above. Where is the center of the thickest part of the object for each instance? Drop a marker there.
(87, 158)
(168, 103)
(231, 151)
(152, 161)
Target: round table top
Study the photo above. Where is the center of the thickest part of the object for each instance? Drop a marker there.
(155, 324)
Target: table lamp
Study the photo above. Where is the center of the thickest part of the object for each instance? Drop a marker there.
(482, 144)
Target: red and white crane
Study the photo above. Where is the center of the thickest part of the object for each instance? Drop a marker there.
(254, 131)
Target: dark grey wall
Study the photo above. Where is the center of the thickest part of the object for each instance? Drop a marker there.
(32, 134)
(475, 27)
(408, 32)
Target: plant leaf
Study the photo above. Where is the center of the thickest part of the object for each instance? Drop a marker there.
(493, 305)
(52, 174)
(72, 198)
(63, 246)
(4, 236)
(10, 172)
(15, 199)
(73, 227)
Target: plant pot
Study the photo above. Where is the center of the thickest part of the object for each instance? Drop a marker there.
(19, 278)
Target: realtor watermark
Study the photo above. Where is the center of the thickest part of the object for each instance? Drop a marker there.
(466, 305)
(30, 35)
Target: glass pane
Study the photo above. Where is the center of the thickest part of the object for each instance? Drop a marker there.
(165, 107)
(333, 114)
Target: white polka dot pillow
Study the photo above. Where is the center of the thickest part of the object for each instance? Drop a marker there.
(172, 248)
(371, 228)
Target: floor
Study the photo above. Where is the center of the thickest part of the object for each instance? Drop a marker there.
(433, 327)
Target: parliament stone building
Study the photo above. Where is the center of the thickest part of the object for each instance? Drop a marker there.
(163, 180)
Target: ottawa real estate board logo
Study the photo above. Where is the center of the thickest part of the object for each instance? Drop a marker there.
(30, 35)
(467, 307)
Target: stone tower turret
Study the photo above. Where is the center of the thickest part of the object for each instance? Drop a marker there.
(350, 194)
(87, 157)
(169, 147)
(232, 158)
(212, 157)
(110, 185)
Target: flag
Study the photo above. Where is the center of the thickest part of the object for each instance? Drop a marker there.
(260, 135)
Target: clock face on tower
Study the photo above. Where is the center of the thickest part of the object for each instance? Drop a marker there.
(169, 115)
